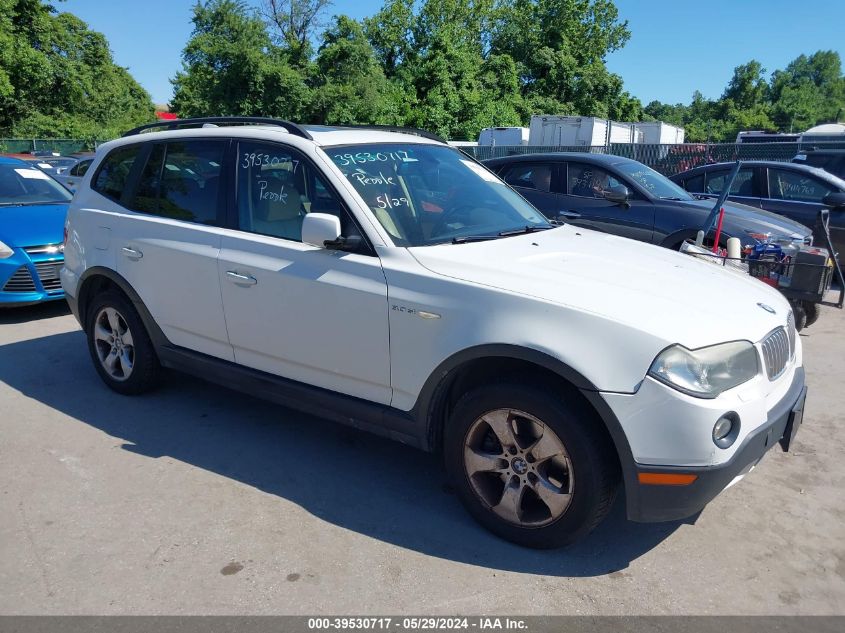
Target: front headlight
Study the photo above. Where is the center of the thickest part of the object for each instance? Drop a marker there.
(5, 251)
(708, 371)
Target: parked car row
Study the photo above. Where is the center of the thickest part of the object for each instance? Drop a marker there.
(618, 195)
(792, 190)
(33, 207)
(385, 280)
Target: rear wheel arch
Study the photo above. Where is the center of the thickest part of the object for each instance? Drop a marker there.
(99, 279)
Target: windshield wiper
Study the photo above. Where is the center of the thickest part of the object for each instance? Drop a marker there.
(30, 204)
(524, 230)
(465, 239)
(672, 198)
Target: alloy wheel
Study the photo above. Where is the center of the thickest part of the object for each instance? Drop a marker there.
(518, 467)
(114, 344)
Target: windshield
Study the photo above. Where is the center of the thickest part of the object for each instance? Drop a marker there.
(428, 194)
(21, 184)
(656, 184)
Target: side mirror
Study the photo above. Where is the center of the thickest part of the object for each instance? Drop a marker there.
(319, 228)
(618, 194)
(835, 200)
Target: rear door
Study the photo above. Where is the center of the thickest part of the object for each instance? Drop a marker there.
(584, 203)
(167, 237)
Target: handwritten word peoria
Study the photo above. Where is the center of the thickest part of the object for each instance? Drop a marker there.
(364, 178)
(273, 196)
(366, 157)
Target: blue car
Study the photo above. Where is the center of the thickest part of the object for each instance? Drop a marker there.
(32, 218)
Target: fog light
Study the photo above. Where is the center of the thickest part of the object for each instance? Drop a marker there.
(723, 428)
(726, 430)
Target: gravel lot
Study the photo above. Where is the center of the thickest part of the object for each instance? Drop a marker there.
(198, 500)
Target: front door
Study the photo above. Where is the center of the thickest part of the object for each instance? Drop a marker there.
(588, 207)
(309, 314)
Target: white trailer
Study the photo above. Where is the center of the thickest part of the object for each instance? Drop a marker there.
(509, 136)
(660, 133)
(553, 131)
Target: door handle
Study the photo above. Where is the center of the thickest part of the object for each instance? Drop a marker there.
(570, 215)
(131, 253)
(238, 278)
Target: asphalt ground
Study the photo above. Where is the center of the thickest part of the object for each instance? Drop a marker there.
(199, 500)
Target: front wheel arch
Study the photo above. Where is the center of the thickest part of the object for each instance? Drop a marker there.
(491, 363)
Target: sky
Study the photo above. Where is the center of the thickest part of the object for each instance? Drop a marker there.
(676, 46)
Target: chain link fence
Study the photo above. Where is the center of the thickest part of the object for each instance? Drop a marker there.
(667, 159)
(62, 146)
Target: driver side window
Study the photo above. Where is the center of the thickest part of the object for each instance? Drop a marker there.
(277, 188)
(589, 181)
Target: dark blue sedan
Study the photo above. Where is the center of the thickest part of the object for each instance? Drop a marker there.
(32, 217)
(621, 196)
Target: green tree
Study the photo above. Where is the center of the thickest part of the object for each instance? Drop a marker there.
(231, 67)
(559, 47)
(58, 78)
(748, 87)
(351, 86)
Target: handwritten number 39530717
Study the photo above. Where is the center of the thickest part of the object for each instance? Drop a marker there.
(267, 160)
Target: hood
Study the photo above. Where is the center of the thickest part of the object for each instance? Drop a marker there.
(32, 225)
(740, 218)
(676, 298)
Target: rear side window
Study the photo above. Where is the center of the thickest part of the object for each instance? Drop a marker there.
(181, 180)
(743, 185)
(529, 176)
(114, 171)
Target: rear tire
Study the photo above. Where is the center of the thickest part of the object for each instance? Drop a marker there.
(119, 345)
(533, 469)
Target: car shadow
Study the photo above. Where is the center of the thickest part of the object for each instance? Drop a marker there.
(355, 480)
(34, 312)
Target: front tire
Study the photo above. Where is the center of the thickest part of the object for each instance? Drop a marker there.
(534, 469)
(119, 345)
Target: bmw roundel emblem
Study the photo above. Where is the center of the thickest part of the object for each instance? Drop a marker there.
(768, 309)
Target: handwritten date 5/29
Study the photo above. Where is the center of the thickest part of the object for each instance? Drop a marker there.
(384, 201)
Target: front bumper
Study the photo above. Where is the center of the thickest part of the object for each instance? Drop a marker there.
(30, 278)
(648, 503)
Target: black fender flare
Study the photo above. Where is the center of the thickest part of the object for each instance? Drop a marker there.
(434, 389)
(154, 331)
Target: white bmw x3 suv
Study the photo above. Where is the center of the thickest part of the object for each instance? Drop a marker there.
(385, 280)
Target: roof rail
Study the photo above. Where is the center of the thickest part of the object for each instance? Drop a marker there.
(175, 124)
(394, 128)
